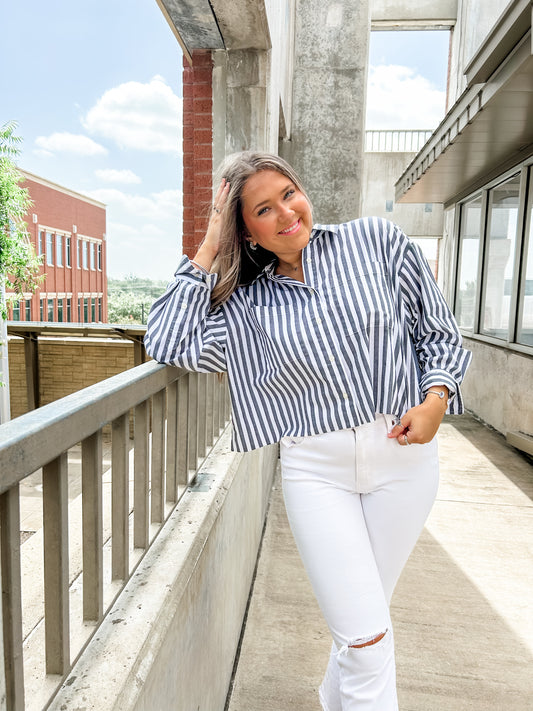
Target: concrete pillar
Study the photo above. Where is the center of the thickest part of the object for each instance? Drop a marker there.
(328, 112)
(246, 99)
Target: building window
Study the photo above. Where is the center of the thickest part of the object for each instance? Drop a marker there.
(85, 310)
(469, 242)
(60, 310)
(40, 245)
(68, 256)
(28, 311)
(389, 204)
(494, 285)
(41, 310)
(99, 257)
(100, 310)
(79, 310)
(93, 310)
(59, 250)
(69, 310)
(50, 309)
(50, 249)
(525, 312)
(84, 249)
(92, 248)
(16, 311)
(78, 258)
(502, 218)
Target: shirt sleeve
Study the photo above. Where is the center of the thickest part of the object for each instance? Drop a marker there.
(182, 329)
(434, 332)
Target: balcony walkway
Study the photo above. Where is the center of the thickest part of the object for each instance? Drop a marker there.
(462, 609)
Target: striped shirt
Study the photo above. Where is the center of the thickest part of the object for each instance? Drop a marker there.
(368, 332)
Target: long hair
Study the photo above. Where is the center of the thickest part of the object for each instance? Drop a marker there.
(236, 264)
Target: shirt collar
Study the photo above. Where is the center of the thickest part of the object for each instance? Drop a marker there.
(317, 230)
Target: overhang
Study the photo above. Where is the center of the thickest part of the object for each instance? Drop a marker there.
(217, 24)
(490, 125)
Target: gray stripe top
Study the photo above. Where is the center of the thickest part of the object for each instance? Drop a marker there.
(369, 331)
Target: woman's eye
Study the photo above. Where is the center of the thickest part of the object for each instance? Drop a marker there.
(262, 210)
(290, 192)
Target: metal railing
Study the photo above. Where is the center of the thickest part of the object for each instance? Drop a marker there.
(386, 141)
(176, 417)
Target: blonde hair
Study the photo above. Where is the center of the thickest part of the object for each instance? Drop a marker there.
(235, 264)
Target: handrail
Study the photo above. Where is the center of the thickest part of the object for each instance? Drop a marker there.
(176, 415)
(396, 140)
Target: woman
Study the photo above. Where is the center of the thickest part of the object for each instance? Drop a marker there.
(338, 344)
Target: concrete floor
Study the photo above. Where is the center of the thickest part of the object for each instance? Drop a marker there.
(462, 609)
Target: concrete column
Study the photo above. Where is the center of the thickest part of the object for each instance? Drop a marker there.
(247, 73)
(328, 119)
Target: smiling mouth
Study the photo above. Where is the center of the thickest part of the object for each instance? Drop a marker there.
(291, 229)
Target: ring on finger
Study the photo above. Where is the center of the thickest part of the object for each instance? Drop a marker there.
(406, 441)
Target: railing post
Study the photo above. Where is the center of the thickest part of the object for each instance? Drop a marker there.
(210, 408)
(202, 415)
(120, 498)
(158, 457)
(92, 523)
(11, 599)
(141, 476)
(171, 485)
(192, 441)
(182, 468)
(56, 589)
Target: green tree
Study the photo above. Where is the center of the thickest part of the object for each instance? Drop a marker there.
(129, 299)
(19, 266)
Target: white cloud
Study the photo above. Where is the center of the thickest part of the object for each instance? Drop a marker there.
(117, 176)
(68, 143)
(142, 116)
(154, 207)
(397, 98)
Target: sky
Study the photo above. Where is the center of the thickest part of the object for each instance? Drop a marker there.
(96, 91)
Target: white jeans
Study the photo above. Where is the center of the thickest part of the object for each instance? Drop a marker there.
(357, 502)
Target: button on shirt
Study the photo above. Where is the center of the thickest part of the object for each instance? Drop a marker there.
(369, 331)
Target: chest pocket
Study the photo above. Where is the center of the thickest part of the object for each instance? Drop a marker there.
(282, 331)
(362, 300)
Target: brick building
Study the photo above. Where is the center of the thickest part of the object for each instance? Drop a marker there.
(68, 230)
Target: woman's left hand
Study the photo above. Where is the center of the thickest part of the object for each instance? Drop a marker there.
(419, 424)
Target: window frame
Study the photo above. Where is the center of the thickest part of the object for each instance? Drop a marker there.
(525, 169)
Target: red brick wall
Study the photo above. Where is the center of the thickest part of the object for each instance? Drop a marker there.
(197, 147)
(58, 209)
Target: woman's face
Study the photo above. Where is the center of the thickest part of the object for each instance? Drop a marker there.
(276, 214)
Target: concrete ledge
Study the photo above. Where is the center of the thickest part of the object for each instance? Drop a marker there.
(521, 441)
(170, 639)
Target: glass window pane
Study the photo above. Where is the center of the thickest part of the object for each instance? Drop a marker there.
(68, 258)
(469, 241)
(60, 310)
(69, 310)
(84, 247)
(59, 250)
(28, 310)
(78, 264)
(502, 221)
(50, 309)
(92, 248)
(525, 326)
(50, 249)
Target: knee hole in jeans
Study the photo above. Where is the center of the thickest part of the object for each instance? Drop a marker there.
(367, 641)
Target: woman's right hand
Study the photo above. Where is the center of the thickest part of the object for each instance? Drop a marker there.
(208, 250)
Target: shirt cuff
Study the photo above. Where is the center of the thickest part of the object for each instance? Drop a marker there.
(441, 377)
(187, 270)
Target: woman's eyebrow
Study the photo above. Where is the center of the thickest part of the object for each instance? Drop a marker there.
(259, 204)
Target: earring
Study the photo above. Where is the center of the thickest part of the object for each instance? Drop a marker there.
(253, 246)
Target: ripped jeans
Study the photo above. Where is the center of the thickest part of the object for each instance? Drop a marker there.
(357, 502)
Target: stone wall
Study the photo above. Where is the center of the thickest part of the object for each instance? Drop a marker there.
(65, 366)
